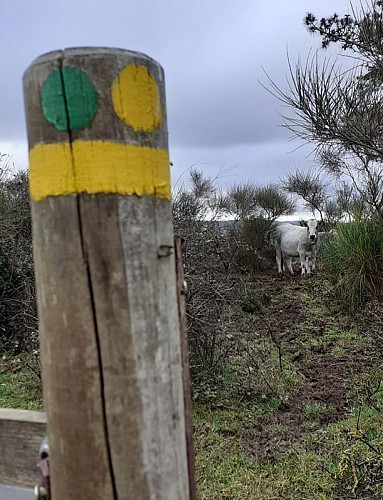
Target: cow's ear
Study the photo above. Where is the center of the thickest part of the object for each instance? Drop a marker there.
(303, 223)
(320, 223)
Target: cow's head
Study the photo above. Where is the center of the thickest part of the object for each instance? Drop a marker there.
(312, 226)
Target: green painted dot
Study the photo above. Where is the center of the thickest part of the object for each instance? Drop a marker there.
(69, 99)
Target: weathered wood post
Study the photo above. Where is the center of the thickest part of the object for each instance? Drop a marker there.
(105, 271)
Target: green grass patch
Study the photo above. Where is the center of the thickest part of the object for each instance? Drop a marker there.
(226, 470)
(254, 302)
(340, 460)
(337, 342)
(20, 387)
(316, 409)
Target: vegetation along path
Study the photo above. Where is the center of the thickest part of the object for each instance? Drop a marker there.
(297, 414)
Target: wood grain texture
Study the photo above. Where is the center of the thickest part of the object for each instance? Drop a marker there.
(181, 292)
(111, 346)
(69, 352)
(147, 242)
(21, 432)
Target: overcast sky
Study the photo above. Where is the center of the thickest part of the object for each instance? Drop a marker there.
(213, 53)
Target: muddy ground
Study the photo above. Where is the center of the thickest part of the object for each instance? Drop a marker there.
(328, 347)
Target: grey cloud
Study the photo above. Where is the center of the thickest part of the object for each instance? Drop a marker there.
(212, 51)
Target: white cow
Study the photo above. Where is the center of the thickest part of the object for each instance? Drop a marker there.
(291, 241)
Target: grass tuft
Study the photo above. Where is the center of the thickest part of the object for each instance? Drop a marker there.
(354, 261)
(20, 386)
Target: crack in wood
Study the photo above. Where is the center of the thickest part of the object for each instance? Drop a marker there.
(99, 355)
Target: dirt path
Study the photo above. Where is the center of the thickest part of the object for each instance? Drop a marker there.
(324, 345)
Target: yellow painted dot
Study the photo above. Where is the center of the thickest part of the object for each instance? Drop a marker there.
(136, 98)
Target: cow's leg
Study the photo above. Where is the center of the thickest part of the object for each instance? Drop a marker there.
(287, 261)
(313, 260)
(302, 257)
(278, 256)
(308, 264)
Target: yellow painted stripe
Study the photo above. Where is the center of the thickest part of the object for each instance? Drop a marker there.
(98, 167)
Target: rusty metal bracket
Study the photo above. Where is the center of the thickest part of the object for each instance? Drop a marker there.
(42, 490)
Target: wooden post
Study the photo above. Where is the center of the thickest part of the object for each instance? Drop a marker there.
(181, 291)
(105, 271)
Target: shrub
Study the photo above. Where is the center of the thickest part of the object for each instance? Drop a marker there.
(253, 245)
(207, 259)
(18, 316)
(219, 257)
(353, 259)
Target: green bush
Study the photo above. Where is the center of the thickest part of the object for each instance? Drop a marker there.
(18, 316)
(353, 259)
(255, 251)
